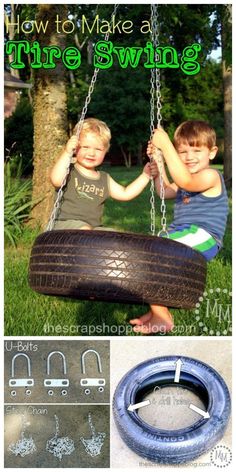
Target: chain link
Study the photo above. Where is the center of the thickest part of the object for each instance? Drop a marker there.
(60, 192)
(57, 430)
(155, 116)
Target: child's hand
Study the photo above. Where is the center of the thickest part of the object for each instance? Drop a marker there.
(154, 169)
(160, 138)
(156, 158)
(72, 145)
(150, 149)
(147, 170)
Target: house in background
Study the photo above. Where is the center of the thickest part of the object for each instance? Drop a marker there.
(12, 89)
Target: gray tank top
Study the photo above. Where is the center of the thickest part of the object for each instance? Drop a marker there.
(83, 198)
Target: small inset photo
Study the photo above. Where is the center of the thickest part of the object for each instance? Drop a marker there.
(56, 436)
(57, 371)
(171, 403)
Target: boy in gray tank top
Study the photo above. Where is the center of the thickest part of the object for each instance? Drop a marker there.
(87, 188)
(201, 203)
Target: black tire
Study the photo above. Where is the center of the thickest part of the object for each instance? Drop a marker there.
(180, 445)
(117, 267)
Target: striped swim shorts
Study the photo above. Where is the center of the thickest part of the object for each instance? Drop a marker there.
(195, 237)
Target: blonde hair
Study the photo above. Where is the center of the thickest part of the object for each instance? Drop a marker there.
(92, 125)
(195, 133)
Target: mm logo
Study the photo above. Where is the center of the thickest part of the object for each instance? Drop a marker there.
(221, 456)
(213, 312)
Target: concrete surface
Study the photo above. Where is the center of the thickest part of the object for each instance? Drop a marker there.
(38, 352)
(40, 421)
(126, 353)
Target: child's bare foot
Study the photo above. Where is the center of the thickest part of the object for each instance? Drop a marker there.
(157, 320)
(86, 227)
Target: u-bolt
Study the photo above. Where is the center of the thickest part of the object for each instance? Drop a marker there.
(13, 363)
(63, 361)
(98, 360)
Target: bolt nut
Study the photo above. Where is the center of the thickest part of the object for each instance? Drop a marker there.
(64, 393)
(87, 391)
(13, 393)
(50, 393)
(101, 389)
(28, 392)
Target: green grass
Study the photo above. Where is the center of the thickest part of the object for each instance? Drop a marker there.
(31, 314)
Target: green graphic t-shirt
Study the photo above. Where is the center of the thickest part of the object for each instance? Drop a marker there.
(84, 197)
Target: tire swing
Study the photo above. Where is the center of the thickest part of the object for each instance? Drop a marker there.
(118, 267)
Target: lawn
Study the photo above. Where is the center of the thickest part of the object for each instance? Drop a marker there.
(31, 314)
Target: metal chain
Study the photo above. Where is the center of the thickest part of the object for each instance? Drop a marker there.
(57, 203)
(92, 84)
(91, 424)
(57, 430)
(155, 106)
(94, 444)
(60, 446)
(152, 127)
(23, 446)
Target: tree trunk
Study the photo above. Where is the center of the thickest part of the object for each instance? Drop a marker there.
(127, 157)
(140, 155)
(227, 84)
(227, 79)
(49, 115)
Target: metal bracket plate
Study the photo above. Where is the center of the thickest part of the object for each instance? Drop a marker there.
(21, 382)
(92, 382)
(56, 383)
